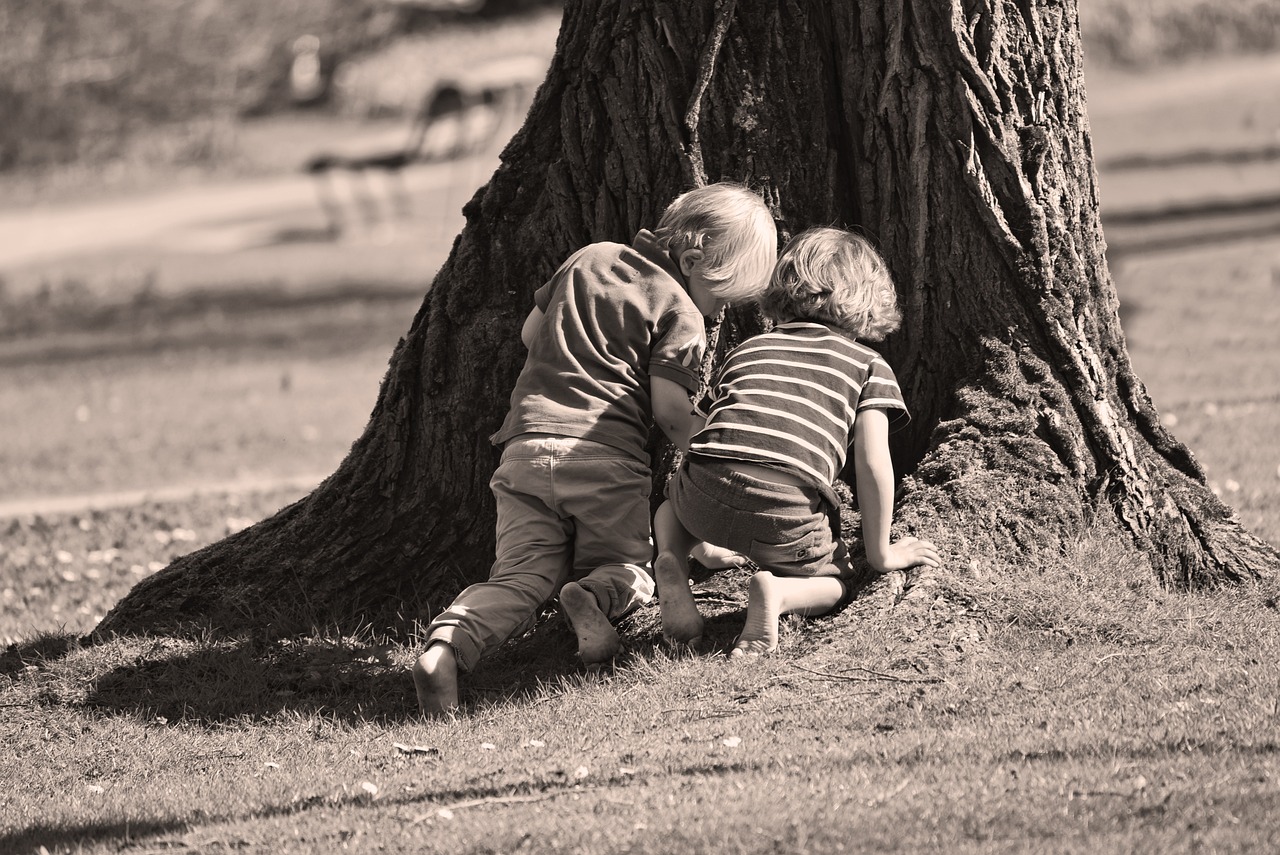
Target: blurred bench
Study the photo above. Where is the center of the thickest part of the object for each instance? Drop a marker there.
(460, 117)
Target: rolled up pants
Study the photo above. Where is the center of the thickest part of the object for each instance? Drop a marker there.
(568, 510)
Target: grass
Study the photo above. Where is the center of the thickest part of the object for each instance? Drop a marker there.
(251, 385)
(61, 572)
(1201, 330)
(1075, 708)
(1069, 712)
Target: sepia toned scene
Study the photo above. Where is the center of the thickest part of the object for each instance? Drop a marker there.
(266, 273)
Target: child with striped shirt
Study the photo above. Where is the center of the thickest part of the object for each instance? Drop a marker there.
(785, 407)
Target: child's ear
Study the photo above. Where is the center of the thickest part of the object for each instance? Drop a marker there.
(689, 260)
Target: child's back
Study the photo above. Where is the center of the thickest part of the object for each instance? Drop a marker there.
(781, 416)
(613, 317)
(788, 399)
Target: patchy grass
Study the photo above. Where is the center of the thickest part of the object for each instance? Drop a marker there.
(1027, 719)
(1202, 328)
(61, 573)
(1075, 707)
(243, 384)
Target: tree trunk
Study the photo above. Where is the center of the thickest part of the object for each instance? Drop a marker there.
(953, 134)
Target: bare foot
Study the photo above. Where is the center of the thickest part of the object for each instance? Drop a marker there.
(716, 557)
(681, 622)
(751, 649)
(760, 634)
(597, 639)
(435, 676)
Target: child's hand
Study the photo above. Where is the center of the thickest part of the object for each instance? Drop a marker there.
(906, 553)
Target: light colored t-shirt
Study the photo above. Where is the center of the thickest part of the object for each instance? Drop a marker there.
(614, 316)
(789, 398)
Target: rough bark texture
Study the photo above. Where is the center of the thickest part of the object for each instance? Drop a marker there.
(953, 133)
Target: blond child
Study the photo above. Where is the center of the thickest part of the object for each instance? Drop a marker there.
(615, 340)
(758, 478)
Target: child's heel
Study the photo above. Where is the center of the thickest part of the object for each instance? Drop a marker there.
(681, 622)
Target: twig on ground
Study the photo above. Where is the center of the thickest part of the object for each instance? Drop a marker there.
(809, 702)
(871, 675)
(1054, 687)
(719, 598)
(710, 716)
(771, 710)
(500, 706)
(885, 798)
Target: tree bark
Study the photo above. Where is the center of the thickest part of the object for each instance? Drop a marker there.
(954, 134)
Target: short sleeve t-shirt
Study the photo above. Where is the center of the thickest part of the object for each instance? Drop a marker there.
(614, 317)
(789, 398)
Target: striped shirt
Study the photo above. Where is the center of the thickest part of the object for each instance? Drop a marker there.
(789, 398)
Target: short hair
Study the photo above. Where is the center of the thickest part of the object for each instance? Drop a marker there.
(837, 277)
(735, 231)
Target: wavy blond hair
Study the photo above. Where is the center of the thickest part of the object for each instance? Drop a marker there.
(735, 231)
(836, 277)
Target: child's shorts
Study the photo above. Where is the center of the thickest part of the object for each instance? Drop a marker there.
(784, 529)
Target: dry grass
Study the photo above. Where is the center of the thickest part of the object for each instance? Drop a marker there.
(195, 388)
(1059, 712)
(1072, 706)
(1201, 327)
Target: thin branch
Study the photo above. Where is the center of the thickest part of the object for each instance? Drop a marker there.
(872, 675)
(719, 598)
(706, 67)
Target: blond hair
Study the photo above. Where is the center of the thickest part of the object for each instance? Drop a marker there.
(836, 277)
(735, 231)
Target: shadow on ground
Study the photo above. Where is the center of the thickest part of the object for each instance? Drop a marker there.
(80, 326)
(58, 838)
(42, 649)
(206, 680)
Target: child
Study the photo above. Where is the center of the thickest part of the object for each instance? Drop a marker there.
(617, 333)
(785, 406)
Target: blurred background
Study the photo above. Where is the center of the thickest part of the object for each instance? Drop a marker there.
(218, 216)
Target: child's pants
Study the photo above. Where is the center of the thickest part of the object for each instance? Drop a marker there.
(782, 528)
(568, 510)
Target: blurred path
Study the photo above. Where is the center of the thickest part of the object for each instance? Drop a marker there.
(1221, 105)
(56, 505)
(212, 218)
(1201, 131)
(52, 233)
